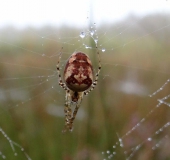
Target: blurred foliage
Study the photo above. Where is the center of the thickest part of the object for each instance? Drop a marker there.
(140, 55)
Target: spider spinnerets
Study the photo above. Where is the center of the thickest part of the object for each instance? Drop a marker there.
(79, 81)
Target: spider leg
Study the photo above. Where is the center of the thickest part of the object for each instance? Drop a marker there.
(60, 82)
(76, 109)
(96, 76)
(67, 111)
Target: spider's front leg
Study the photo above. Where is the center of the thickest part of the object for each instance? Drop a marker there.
(60, 81)
(96, 76)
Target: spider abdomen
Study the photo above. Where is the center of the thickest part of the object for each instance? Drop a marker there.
(78, 72)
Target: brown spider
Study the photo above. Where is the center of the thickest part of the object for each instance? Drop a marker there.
(78, 77)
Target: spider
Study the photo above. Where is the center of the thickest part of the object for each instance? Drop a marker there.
(79, 81)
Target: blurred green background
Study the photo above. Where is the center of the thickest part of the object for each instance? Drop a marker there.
(135, 64)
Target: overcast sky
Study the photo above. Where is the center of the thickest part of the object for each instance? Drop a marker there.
(22, 13)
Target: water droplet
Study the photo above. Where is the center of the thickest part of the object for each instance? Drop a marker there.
(160, 101)
(22, 149)
(149, 139)
(160, 129)
(4, 157)
(121, 145)
(157, 145)
(43, 54)
(92, 33)
(15, 154)
(103, 49)
(96, 40)
(108, 152)
(114, 146)
(158, 105)
(142, 120)
(42, 37)
(137, 147)
(46, 79)
(82, 34)
(110, 156)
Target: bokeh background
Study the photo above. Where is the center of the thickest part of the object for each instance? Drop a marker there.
(115, 120)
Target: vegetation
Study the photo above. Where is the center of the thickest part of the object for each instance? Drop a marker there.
(134, 65)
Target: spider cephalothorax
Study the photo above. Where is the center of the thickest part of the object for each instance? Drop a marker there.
(78, 77)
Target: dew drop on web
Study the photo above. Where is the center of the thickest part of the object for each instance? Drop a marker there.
(92, 33)
(82, 34)
(103, 49)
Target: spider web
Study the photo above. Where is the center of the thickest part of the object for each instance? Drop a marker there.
(127, 115)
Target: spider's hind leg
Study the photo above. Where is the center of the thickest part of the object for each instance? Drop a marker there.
(68, 112)
(80, 97)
